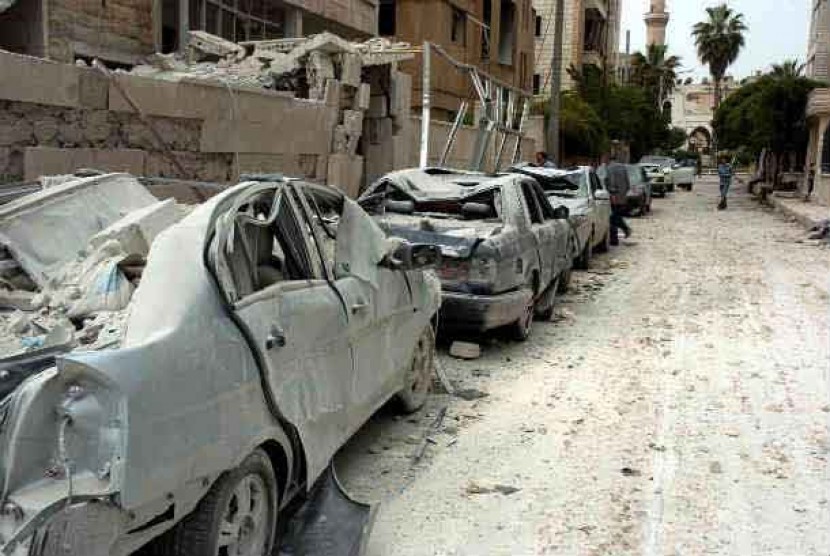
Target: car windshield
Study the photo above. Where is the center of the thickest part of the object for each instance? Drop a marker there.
(573, 184)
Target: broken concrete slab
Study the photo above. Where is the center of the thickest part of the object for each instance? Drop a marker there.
(17, 299)
(19, 322)
(346, 173)
(44, 230)
(137, 230)
(202, 44)
(363, 97)
(350, 69)
(36, 80)
(45, 161)
(465, 350)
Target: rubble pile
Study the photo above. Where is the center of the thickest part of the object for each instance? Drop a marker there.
(71, 256)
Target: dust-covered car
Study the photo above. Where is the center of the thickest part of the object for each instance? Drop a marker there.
(269, 324)
(638, 199)
(660, 177)
(505, 249)
(582, 192)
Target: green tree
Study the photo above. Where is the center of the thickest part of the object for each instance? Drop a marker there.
(655, 71)
(788, 68)
(767, 114)
(719, 39)
(582, 131)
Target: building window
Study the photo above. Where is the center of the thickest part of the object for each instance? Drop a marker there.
(507, 33)
(387, 18)
(458, 32)
(538, 31)
(537, 83)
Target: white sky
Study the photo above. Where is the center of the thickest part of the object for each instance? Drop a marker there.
(777, 30)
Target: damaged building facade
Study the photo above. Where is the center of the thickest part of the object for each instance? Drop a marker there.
(124, 31)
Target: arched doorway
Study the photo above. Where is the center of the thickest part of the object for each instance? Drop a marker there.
(700, 140)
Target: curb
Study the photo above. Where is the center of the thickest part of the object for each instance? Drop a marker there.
(806, 221)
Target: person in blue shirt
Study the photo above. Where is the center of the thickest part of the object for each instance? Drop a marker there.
(725, 175)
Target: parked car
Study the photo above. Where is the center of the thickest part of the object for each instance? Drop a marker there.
(582, 192)
(683, 174)
(639, 192)
(269, 325)
(659, 177)
(505, 249)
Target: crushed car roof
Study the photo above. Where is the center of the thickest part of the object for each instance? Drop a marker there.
(440, 183)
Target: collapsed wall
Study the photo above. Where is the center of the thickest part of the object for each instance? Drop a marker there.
(300, 107)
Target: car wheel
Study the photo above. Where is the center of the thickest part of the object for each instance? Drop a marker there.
(418, 380)
(545, 308)
(237, 516)
(564, 281)
(521, 329)
(584, 259)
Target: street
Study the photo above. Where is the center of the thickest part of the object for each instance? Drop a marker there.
(679, 404)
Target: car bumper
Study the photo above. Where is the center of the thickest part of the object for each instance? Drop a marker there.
(478, 313)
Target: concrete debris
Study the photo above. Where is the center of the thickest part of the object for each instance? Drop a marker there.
(99, 231)
(203, 45)
(465, 350)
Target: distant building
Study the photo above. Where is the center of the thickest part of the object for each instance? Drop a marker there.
(657, 20)
(818, 108)
(591, 37)
(494, 35)
(125, 31)
(692, 110)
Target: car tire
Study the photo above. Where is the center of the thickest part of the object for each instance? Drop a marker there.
(564, 281)
(545, 308)
(419, 375)
(584, 260)
(218, 520)
(521, 329)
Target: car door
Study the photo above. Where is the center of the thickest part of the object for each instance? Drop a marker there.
(543, 231)
(602, 207)
(378, 300)
(293, 317)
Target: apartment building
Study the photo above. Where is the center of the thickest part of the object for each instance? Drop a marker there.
(124, 31)
(591, 31)
(493, 35)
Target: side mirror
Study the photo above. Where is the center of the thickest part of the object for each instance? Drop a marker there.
(602, 195)
(561, 212)
(413, 256)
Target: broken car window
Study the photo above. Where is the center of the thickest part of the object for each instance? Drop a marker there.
(566, 185)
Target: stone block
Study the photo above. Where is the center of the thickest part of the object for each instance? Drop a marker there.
(465, 350)
(379, 130)
(212, 167)
(340, 140)
(378, 106)
(345, 172)
(363, 97)
(353, 121)
(44, 161)
(350, 69)
(39, 81)
(93, 91)
(15, 130)
(400, 95)
(331, 96)
(137, 230)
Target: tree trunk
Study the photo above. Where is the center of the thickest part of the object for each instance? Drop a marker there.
(715, 104)
(552, 135)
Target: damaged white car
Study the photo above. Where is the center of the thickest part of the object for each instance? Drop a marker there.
(269, 325)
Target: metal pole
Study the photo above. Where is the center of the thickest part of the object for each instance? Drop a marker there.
(552, 136)
(425, 107)
(459, 119)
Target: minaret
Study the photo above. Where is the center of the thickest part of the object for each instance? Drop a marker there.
(657, 19)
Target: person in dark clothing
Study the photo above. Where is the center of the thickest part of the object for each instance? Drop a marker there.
(725, 174)
(811, 182)
(617, 183)
(543, 160)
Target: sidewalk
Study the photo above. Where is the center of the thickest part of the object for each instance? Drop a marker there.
(792, 205)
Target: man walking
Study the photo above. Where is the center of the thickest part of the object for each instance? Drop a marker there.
(617, 183)
(725, 174)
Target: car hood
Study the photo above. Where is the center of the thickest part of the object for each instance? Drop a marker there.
(576, 205)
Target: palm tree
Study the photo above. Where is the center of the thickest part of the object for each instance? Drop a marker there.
(655, 71)
(719, 40)
(787, 68)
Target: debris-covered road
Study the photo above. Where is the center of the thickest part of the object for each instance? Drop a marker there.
(679, 406)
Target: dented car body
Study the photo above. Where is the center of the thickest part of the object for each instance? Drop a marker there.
(504, 248)
(270, 322)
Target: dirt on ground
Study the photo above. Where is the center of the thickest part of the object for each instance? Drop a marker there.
(678, 404)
